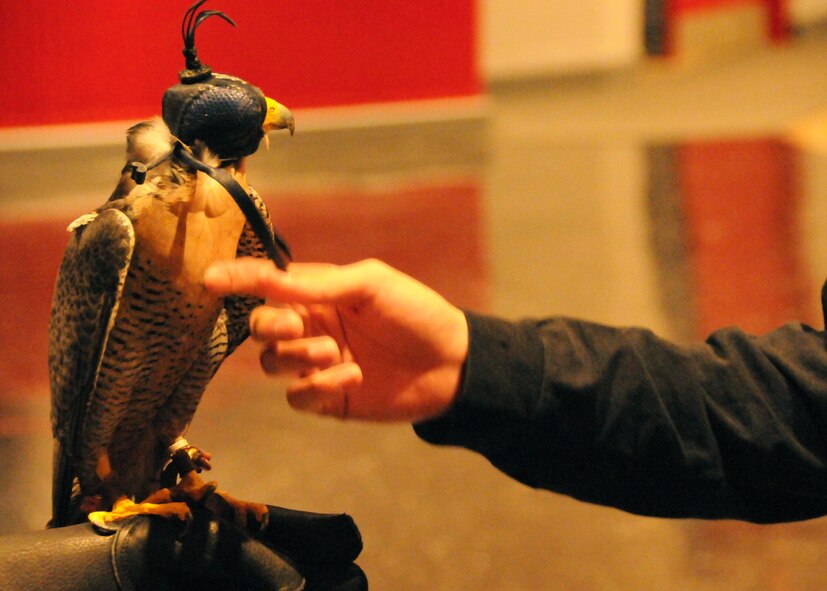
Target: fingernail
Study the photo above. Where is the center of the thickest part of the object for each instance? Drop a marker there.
(351, 375)
(288, 325)
(322, 348)
(348, 375)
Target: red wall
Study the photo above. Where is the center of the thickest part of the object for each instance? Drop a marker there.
(104, 60)
(690, 5)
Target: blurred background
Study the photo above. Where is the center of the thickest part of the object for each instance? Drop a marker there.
(657, 163)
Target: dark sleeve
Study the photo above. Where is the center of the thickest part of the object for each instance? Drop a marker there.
(731, 428)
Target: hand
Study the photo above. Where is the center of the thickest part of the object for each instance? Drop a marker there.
(357, 341)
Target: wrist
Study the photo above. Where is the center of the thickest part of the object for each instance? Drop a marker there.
(457, 360)
(501, 380)
(447, 380)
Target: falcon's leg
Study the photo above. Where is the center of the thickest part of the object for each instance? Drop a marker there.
(190, 488)
(242, 513)
(123, 507)
(178, 413)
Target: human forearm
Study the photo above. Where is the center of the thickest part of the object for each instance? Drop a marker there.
(623, 418)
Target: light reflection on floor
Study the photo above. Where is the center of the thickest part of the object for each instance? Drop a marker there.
(527, 216)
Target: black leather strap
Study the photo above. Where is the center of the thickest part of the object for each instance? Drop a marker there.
(276, 248)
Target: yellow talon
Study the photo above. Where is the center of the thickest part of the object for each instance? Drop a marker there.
(125, 508)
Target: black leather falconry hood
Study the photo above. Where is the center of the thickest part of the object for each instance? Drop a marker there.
(224, 112)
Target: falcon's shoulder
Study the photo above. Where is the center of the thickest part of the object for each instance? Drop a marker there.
(85, 302)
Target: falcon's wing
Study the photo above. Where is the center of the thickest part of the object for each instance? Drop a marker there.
(239, 307)
(86, 297)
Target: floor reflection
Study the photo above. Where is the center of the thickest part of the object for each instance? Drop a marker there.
(731, 213)
(431, 229)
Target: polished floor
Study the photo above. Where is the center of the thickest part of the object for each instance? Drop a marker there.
(681, 197)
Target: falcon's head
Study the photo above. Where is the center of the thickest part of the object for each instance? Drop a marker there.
(230, 116)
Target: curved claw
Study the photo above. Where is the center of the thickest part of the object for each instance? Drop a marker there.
(206, 492)
(249, 516)
(192, 489)
(264, 519)
(187, 530)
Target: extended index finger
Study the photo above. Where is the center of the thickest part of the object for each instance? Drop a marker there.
(245, 275)
(304, 283)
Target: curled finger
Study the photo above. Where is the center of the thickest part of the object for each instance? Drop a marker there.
(300, 355)
(269, 323)
(326, 392)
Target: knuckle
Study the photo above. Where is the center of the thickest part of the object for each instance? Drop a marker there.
(373, 271)
(374, 265)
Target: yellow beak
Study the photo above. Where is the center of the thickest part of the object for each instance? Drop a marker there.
(278, 117)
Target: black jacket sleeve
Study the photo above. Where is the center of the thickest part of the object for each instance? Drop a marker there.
(731, 428)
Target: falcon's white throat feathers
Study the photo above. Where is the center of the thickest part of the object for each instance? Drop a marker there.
(151, 141)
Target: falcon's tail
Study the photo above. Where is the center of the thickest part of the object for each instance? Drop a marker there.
(64, 501)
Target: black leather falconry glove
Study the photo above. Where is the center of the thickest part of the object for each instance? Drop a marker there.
(297, 551)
